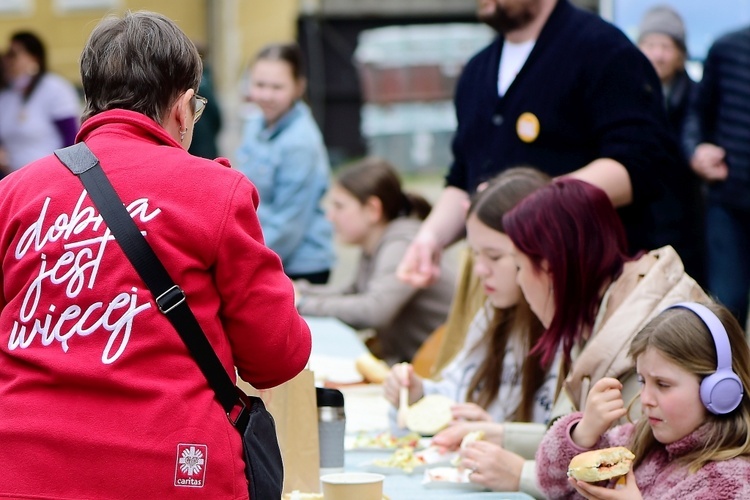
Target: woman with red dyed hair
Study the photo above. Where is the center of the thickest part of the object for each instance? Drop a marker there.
(592, 298)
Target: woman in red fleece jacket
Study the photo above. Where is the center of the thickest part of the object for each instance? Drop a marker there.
(100, 397)
(692, 439)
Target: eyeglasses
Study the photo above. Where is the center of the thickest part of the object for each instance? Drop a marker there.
(200, 106)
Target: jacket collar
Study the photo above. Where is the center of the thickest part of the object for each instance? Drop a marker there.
(643, 290)
(678, 90)
(126, 122)
(268, 133)
(687, 444)
(550, 31)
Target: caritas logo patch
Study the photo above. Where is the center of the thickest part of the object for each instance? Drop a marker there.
(190, 470)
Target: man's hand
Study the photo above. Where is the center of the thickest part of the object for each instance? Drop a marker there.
(420, 266)
(709, 162)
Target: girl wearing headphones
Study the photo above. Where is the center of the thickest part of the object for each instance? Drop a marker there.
(592, 298)
(693, 365)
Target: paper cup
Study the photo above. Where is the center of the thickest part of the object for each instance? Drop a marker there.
(352, 485)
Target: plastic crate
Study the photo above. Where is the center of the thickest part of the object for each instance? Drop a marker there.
(416, 62)
(415, 136)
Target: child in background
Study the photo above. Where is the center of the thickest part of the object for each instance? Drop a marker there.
(369, 209)
(283, 154)
(492, 378)
(692, 440)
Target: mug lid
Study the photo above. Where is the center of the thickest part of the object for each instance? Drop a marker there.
(329, 397)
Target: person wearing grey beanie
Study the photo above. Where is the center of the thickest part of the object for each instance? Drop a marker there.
(661, 38)
(664, 20)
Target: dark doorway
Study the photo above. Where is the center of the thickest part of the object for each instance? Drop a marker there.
(334, 89)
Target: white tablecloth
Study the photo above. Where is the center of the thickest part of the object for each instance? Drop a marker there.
(335, 346)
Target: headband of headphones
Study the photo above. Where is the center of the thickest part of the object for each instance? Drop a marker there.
(718, 332)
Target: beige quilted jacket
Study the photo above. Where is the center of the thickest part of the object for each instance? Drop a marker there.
(646, 287)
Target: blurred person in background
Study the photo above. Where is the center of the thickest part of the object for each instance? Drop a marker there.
(206, 131)
(283, 154)
(568, 93)
(716, 137)
(370, 210)
(40, 110)
(661, 37)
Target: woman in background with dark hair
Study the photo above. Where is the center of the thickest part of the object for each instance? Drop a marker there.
(40, 110)
(370, 210)
(283, 154)
(591, 297)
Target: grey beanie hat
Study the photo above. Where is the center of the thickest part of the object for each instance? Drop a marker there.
(666, 21)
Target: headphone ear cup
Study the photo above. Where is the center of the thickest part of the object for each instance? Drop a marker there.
(721, 392)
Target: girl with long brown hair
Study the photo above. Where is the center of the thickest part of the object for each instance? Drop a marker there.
(370, 210)
(493, 378)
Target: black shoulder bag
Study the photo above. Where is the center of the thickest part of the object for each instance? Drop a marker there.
(263, 464)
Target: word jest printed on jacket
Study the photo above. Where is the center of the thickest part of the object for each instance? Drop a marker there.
(76, 269)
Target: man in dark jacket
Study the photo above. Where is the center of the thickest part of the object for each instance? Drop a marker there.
(716, 135)
(563, 91)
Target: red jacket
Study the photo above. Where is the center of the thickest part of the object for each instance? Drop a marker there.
(99, 397)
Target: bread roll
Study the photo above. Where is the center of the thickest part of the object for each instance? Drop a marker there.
(469, 438)
(430, 415)
(371, 368)
(600, 465)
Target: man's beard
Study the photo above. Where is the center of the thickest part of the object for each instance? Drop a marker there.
(504, 22)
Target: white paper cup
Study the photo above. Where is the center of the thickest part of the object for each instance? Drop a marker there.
(352, 485)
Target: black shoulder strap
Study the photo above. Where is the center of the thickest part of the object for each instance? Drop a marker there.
(169, 297)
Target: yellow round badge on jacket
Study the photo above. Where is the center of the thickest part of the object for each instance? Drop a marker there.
(527, 127)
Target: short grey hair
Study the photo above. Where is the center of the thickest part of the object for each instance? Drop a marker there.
(140, 62)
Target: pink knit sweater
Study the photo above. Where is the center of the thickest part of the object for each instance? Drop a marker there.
(657, 476)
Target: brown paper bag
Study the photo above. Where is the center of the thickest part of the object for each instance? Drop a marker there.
(295, 410)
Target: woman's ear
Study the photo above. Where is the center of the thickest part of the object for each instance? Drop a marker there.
(374, 209)
(179, 120)
(301, 87)
(544, 264)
